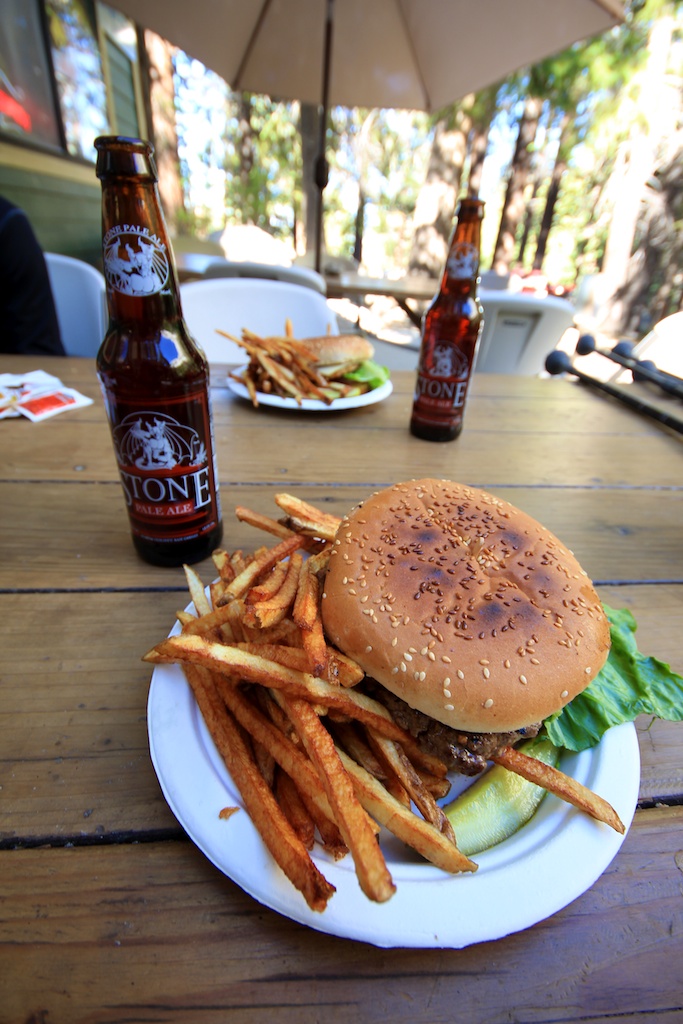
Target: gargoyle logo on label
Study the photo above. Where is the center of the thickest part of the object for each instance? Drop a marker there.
(135, 261)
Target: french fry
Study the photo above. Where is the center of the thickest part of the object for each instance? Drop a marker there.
(278, 835)
(242, 582)
(216, 592)
(235, 662)
(266, 765)
(306, 614)
(196, 588)
(346, 734)
(410, 780)
(238, 563)
(292, 657)
(269, 586)
(224, 567)
(307, 600)
(328, 831)
(309, 519)
(208, 621)
(274, 609)
(555, 781)
(373, 875)
(294, 809)
(413, 831)
(439, 788)
(289, 757)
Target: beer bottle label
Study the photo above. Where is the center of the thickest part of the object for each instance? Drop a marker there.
(442, 379)
(164, 452)
(135, 260)
(462, 263)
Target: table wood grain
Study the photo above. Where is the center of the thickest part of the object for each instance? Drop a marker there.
(108, 913)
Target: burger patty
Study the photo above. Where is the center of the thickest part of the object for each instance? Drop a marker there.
(464, 752)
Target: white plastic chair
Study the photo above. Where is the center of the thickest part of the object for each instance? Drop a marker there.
(80, 296)
(305, 276)
(232, 304)
(663, 345)
(519, 331)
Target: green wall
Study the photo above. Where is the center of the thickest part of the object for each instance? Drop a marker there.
(65, 213)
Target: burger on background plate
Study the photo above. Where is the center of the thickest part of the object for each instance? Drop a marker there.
(348, 358)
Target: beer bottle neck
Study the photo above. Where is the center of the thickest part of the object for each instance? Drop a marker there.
(139, 267)
(461, 271)
(142, 283)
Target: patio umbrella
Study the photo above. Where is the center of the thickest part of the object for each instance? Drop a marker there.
(413, 54)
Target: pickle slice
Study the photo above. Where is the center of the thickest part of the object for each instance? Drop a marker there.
(497, 805)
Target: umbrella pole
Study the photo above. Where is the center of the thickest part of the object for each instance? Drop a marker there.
(321, 165)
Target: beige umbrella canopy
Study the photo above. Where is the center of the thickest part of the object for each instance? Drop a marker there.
(413, 54)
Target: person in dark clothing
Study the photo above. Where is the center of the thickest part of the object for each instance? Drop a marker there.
(28, 320)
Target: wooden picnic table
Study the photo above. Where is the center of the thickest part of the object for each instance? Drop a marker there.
(404, 291)
(109, 913)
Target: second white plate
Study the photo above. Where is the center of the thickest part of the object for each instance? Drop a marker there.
(310, 404)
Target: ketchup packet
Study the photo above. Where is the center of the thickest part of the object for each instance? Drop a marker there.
(37, 395)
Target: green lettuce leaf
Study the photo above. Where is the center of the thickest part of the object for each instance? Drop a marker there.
(369, 372)
(629, 684)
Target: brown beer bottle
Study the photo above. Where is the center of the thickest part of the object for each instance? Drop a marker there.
(154, 376)
(450, 333)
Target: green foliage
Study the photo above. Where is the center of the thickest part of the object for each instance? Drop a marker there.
(262, 163)
(379, 158)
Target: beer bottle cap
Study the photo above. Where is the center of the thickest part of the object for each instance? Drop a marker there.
(121, 157)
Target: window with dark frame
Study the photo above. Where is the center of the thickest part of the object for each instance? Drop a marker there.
(78, 73)
(27, 99)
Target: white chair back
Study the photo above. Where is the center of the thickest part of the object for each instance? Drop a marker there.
(305, 276)
(232, 304)
(80, 297)
(664, 345)
(519, 331)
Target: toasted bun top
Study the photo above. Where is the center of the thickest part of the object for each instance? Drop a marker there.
(464, 606)
(339, 348)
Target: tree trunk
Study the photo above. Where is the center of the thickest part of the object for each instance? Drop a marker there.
(513, 207)
(359, 226)
(528, 218)
(552, 195)
(245, 142)
(483, 109)
(631, 175)
(309, 127)
(437, 199)
(162, 106)
(479, 141)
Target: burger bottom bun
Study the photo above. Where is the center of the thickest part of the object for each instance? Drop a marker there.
(464, 606)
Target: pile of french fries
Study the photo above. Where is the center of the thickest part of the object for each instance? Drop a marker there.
(284, 366)
(313, 758)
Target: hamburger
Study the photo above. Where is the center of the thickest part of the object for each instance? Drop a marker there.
(472, 621)
(339, 354)
(347, 359)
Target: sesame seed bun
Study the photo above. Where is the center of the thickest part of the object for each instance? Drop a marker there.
(339, 348)
(463, 606)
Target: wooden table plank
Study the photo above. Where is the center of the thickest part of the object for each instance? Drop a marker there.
(73, 724)
(153, 932)
(558, 447)
(616, 536)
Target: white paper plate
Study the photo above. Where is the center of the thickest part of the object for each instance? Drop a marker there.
(311, 404)
(549, 863)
